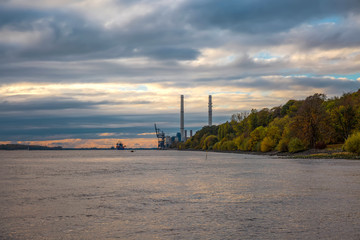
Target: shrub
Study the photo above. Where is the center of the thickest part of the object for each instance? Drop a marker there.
(223, 146)
(296, 145)
(209, 142)
(320, 145)
(194, 143)
(202, 144)
(231, 146)
(228, 146)
(352, 143)
(267, 144)
(257, 147)
(239, 141)
(283, 145)
(188, 144)
(244, 146)
(181, 146)
(256, 137)
(217, 146)
(274, 133)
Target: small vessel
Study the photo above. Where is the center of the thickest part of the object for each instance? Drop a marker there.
(120, 146)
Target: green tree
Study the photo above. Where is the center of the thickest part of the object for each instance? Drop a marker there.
(344, 113)
(290, 108)
(209, 142)
(311, 124)
(296, 145)
(256, 137)
(267, 144)
(226, 130)
(252, 120)
(264, 117)
(352, 144)
(197, 141)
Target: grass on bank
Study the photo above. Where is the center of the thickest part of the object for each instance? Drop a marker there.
(337, 155)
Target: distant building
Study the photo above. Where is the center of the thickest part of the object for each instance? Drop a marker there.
(168, 141)
(178, 136)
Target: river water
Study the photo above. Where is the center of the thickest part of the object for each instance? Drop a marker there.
(176, 195)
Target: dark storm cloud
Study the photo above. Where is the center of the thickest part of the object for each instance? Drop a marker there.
(273, 82)
(326, 36)
(71, 36)
(19, 17)
(57, 104)
(79, 71)
(42, 72)
(165, 33)
(66, 34)
(298, 83)
(327, 83)
(256, 16)
(174, 53)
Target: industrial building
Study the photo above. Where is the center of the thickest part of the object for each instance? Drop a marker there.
(166, 141)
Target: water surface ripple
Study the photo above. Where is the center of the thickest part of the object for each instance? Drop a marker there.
(176, 195)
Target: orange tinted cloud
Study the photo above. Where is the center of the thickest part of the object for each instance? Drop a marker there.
(145, 134)
(106, 134)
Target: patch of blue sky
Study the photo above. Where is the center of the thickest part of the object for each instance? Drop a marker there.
(302, 75)
(140, 88)
(266, 93)
(227, 92)
(265, 55)
(230, 58)
(332, 19)
(348, 76)
(226, 60)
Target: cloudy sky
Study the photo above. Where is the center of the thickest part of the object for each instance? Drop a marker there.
(85, 73)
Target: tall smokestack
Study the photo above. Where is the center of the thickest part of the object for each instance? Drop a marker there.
(182, 118)
(210, 111)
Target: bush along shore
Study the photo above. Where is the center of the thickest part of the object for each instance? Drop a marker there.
(316, 127)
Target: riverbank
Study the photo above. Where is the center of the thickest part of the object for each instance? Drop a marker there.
(328, 153)
(321, 154)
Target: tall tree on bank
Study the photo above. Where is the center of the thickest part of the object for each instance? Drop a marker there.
(345, 113)
(311, 124)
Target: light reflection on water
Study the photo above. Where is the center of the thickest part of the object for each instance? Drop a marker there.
(175, 195)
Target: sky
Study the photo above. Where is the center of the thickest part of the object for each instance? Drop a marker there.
(87, 73)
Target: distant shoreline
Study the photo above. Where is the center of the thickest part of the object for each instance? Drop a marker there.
(21, 147)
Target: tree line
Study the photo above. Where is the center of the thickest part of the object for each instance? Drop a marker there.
(314, 122)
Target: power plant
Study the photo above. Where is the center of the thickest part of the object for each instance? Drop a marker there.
(166, 141)
(182, 118)
(210, 112)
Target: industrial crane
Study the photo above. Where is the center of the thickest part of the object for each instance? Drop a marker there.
(161, 137)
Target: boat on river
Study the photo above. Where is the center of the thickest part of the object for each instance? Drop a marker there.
(120, 146)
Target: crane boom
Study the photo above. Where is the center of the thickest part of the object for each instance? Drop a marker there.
(161, 137)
